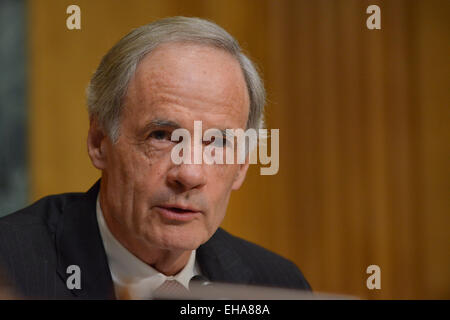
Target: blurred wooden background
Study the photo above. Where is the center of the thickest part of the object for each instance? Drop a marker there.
(363, 117)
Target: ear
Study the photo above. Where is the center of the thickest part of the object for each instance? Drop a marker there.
(240, 175)
(96, 143)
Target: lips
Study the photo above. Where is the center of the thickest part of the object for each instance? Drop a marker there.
(179, 208)
(178, 212)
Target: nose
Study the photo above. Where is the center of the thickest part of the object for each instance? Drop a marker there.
(186, 176)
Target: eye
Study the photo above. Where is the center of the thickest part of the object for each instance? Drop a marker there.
(219, 143)
(160, 135)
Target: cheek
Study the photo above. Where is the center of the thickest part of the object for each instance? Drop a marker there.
(137, 162)
(221, 191)
(227, 174)
(134, 174)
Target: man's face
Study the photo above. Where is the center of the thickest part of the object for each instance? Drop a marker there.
(147, 196)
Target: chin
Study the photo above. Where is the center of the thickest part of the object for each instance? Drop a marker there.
(178, 239)
(176, 244)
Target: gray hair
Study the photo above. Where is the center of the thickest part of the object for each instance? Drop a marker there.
(109, 83)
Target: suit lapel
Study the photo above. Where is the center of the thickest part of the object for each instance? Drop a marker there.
(219, 262)
(78, 242)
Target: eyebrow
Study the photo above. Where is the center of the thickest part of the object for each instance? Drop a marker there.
(155, 123)
(161, 123)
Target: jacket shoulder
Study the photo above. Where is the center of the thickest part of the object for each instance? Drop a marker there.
(44, 212)
(27, 246)
(31, 231)
(268, 268)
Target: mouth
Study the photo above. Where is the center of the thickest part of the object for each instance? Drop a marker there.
(178, 213)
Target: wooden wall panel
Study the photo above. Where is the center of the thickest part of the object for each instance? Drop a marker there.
(363, 119)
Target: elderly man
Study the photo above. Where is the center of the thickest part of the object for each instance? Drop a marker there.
(149, 223)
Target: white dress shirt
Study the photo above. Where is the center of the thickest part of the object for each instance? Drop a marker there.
(132, 277)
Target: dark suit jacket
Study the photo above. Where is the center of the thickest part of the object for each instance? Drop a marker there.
(39, 242)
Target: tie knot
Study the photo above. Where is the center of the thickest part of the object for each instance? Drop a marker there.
(170, 289)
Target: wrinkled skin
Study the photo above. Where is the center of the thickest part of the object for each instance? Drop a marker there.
(176, 84)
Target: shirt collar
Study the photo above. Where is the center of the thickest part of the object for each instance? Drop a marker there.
(130, 273)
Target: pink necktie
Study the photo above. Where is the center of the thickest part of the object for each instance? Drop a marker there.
(170, 289)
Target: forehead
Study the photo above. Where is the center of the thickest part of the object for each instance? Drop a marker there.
(189, 81)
